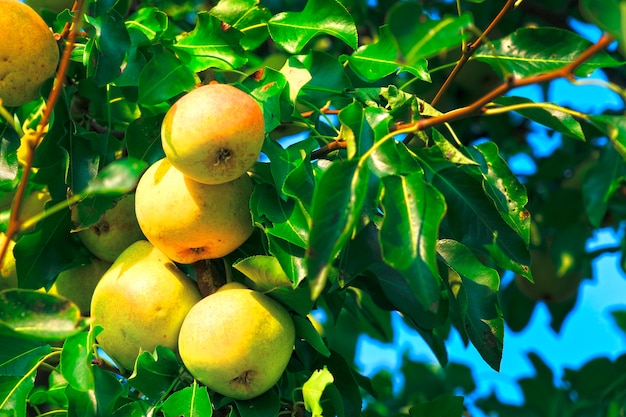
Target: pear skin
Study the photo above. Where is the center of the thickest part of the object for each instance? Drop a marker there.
(141, 302)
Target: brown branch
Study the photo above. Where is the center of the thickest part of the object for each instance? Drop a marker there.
(326, 149)
(565, 72)
(470, 48)
(32, 141)
(323, 111)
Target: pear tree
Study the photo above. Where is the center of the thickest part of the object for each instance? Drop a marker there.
(207, 206)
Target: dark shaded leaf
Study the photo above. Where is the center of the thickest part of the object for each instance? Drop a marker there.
(442, 406)
(155, 372)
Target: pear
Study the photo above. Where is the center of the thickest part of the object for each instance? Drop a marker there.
(237, 341)
(28, 53)
(214, 133)
(141, 302)
(190, 221)
(78, 284)
(114, 231)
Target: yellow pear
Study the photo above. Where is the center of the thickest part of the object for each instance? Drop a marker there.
(237, 341)
(8, 274)
(78, 284)
(190, 221)
(141, 302)
(213, 134)
(114, 231)
(548, 285)
(28, 53)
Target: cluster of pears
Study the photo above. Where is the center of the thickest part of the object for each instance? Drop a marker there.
(28, 53)
(191, 206)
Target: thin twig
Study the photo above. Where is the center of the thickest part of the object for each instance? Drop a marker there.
(468, 51)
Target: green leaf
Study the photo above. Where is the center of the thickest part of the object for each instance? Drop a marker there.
(443, 406)
(608, 15)
(149, 21)
(504, 188)
(155, 373)
(107, 47)
(264, 271)
(76, 361)
(337, 202)
(117, 178)
(378, 60)
(38, 315)
(615, 129)
(267, 404)
(474, 288)
(98, 402)
(449, 151)
(164, 77)
(619, 316)
(293, 30)
(247, 17)
(192, 401)
(19, 355)
(412, 214)
(14, 394)
(551, 118)
(420, 37)
(210, 45)
(313, 389)
(267, 88)
(306, 331)
(533, 51)
(328, 79)
(363, 126)
(475, 221)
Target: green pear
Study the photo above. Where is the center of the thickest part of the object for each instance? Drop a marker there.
(214, 133)
(28, 53)
(78, 284)
(141, 302)
(237, 341)
(114, 231)
(190, 221)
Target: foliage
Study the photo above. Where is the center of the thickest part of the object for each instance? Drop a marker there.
(374, 195)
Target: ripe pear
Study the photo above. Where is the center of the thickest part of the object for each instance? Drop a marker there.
(190, 221)
(237, 341)
(8, 273)
(28, 53)
(141, 302)
(78, 284)
(548, 286)
(114, 231)
(214, 133)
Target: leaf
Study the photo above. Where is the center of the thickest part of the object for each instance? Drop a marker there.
(306, 331)
(378, 60)
(14, 394)
(264, 271)
(619, 317)
(504, 188)
(615, 129)
(337, 202)
(553, 119)
(38, 315)
(164, 77)
(293, 30)
(475, 221)
(97, 402)
(412, 213)
(419, 37)
(449, 151)
(608, 15)
(267, 404)
(117, 178)
(192, 401)
(444, 405)
(19, 355)
(149, 21)
(107, 47)
(313, 389)
(76, 361)
(363, 126)
(475, 290)
(246, 16)
(533, 51)
(210, 45)
(155, 373)
(267, 88)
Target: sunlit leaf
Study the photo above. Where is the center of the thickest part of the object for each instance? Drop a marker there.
(38, 315)
(609, 15)
(14, 394)
(117, 178)
(210, 45)
(533, 51)
(475, 290)
(306, 331)
(163, 77)
(267, 88)
(76, 361)
(264, 272)
(377, 60)
(293, 30)
(313, 389)
(155, 373)
(246, 16)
